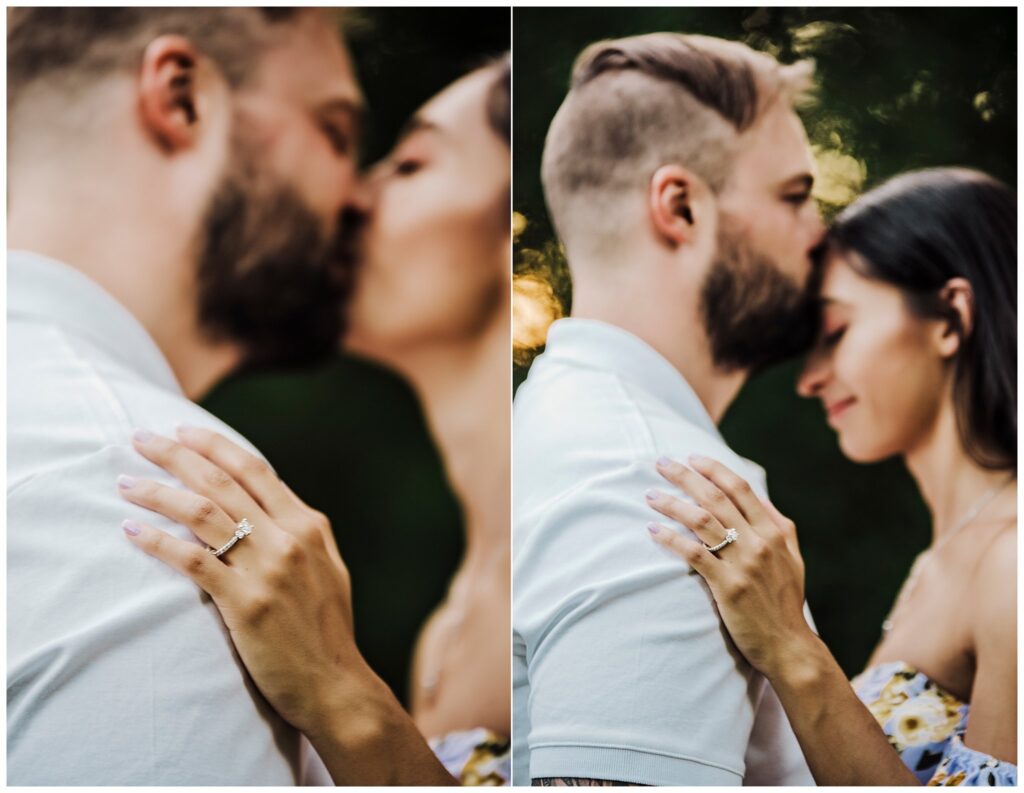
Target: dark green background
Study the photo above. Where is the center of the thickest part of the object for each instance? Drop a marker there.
(349, 438)
(899, 86)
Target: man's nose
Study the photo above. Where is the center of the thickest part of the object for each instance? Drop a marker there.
(815, 374)
(360, 200)
(816, 230)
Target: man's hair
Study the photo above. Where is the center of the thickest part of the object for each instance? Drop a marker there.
(74, 47)
(641, 102)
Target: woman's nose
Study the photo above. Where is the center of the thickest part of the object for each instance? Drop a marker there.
(815, 374)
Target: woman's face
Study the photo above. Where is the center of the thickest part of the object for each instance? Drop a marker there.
(881, 373)
(435, 258)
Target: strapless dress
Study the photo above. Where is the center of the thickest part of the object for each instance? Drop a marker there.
(925, 725)
(475, 757)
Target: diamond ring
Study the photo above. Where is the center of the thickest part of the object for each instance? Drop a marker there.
(731, 535)
(243, 530)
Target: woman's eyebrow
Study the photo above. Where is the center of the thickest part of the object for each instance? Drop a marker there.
(418, 124)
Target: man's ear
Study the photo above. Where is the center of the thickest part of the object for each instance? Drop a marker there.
(678, 204)
(957, 293)
(167, 91)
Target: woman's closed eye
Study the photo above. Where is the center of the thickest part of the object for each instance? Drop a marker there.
(407, 167)
(832, 337)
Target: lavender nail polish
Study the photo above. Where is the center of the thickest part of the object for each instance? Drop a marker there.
(664, 461)
(131, 527)
(653, 528)
(142, 436)
(125, 482)
(652, 495)
(183, 428)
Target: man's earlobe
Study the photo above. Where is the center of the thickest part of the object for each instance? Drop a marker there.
(167, 91)
(672, 206)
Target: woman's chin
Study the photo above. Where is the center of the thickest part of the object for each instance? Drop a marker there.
(856, 450)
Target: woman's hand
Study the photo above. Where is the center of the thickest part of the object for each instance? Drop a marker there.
(283, 591)
(758, 580)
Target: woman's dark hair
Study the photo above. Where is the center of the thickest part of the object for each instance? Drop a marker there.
(921, 229)
(499, 98)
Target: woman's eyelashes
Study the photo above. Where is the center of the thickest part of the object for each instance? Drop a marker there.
(832, 337)
(407, 167)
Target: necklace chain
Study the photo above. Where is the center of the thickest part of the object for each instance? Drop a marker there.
(924, 556)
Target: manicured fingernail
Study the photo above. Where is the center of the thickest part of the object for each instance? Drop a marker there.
(183, 428)
(653, 528)
(125, 482)
(664, 462)
(696, 458)
(652, 495)
(131, 527)
(142, 436)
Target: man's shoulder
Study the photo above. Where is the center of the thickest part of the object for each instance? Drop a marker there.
(69, 403)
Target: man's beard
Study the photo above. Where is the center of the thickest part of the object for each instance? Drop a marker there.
(270, 279)
(753, 313)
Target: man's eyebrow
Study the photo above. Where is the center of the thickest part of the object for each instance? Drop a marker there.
(353, 108)
(804, 180)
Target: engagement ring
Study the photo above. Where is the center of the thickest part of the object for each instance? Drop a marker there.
(244, 530)
(731, 535)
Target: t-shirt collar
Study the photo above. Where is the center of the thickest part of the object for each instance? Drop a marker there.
(595, 344)
(44, 288)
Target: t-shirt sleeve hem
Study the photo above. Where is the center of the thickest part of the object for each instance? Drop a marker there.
(627, 765)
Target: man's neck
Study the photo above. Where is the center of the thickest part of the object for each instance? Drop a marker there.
(134, 260)
(673, 331)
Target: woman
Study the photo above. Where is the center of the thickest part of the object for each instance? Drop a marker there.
(917, 357)
(432, 301)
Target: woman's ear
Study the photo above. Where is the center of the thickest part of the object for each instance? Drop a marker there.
(677, 202)
(167, 91)
(957, 293)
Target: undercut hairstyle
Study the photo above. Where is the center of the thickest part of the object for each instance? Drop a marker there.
(916, 232)
(74, 47)
(638, 103)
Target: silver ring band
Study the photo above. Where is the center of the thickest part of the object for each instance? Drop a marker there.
(243, 530)
(731, 535)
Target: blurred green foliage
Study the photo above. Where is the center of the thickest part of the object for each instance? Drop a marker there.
(349, 438)
(899, 88)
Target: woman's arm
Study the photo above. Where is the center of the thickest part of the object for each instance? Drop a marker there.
(992, 728)
(758, 583)
(283, 592)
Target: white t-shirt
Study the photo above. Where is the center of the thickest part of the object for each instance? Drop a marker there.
(119, 670)
(622, 669)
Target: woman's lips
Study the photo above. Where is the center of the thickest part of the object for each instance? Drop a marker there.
(838, 408)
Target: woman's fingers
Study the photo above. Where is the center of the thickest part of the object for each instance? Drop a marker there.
(206, 520)
(705, 492)
(248, 470)
(693, 553)
(734, 486)
(199, 475)
(205, 569)
(705, 525)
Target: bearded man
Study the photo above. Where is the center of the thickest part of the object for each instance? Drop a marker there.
(678, 178)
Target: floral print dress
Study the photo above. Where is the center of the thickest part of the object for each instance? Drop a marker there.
(926, 724)
(475, 757)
